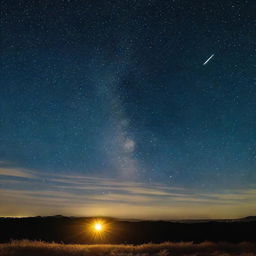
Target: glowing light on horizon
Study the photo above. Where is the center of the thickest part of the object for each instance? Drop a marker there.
(98, 227)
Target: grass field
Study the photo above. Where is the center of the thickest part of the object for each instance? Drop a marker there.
(38, 248)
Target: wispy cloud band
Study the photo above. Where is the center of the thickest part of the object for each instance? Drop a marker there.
(27, 192)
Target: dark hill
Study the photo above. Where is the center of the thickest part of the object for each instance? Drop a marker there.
(77, 230)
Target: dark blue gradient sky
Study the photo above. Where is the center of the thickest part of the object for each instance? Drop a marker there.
(116, 91)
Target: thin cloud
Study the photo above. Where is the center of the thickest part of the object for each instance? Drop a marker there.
(16, 172)
(88, 195)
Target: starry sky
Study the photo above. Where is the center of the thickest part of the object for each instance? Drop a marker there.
(111, 108)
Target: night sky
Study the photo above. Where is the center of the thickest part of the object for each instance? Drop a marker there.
(114, 108)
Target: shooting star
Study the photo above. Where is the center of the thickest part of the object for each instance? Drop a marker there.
(208, 59)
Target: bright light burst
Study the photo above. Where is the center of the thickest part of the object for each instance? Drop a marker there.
(98, 227)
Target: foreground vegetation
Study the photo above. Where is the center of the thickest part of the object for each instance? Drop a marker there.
(38, 248)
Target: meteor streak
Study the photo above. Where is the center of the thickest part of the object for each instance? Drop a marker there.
(208, 59)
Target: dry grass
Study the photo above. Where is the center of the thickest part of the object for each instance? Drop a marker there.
(35, 248)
